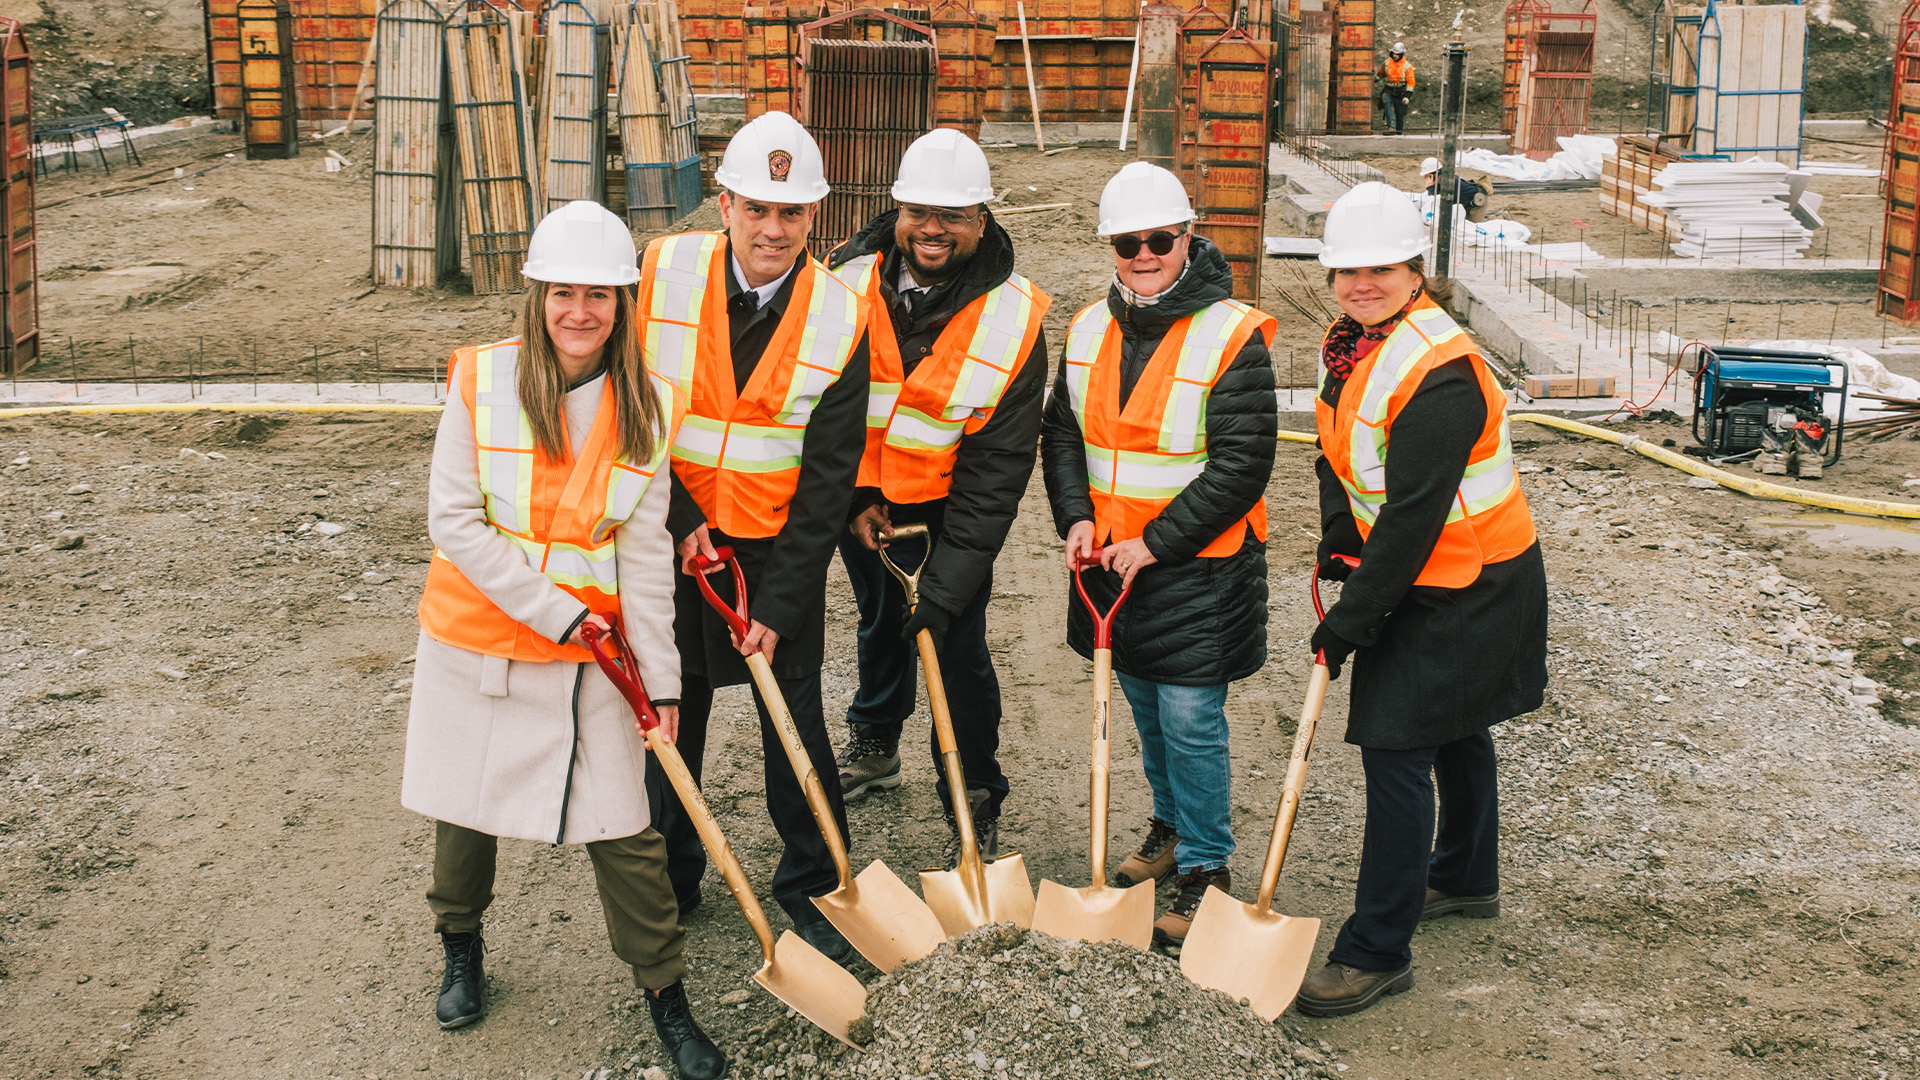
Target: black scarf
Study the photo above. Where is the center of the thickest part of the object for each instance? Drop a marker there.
(1343, 348)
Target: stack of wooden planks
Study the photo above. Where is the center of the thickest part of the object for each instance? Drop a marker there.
(409, 244)
(571, 144)
(1626, 179)
(493, 120)
(657, 125)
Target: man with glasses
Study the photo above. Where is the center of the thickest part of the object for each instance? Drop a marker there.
(1156, 448)
(959, 363)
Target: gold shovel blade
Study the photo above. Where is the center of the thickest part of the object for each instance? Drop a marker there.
(1245, 952)
(882, 918)
(1008, 896)
(814, 986)
(1096, 913)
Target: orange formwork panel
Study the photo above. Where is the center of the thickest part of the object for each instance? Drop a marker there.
(1230, 175)
(1899, 292)
(19, 264)
(1353, 65)
(1556, 78)
(1198, 31)
(1519, 17)
(330, 40)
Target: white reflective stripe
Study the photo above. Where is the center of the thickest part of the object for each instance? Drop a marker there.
(1488, 483)
(583, 568)
(994, 352)
(505, 439)
(826, 341)
(913, 429)
(1084, 337)
(857, 272)
(881, 398)
(1141, 476)
(752, 448)
(701, 441)
(672, 350)
(626, 486)
(1183, 424)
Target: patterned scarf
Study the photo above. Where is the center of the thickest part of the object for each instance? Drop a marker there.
(1348, 342)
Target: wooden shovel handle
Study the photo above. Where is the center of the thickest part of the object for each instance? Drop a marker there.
(802, 766)
(615, 657)
(1100, 783)
(971, 868)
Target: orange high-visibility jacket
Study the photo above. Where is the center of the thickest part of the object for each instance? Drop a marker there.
(914, 423)
(738, 453)
(1140, 457)
(1489, 522)
(1398, 72)
(562, 515)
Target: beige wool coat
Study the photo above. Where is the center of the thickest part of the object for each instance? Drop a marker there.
(531, 750)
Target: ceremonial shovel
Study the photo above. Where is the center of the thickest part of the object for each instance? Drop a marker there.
(1098, 912)
(790, 969)
(976, 892)
(1247, 950)
(876, 911)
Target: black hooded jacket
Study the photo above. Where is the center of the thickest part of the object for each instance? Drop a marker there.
(994, 464)
(1190, 621)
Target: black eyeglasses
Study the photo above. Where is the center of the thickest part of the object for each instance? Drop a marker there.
(1160, 243)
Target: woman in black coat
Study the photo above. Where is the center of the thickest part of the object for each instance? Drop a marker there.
(1196, 558)
(1446, 617)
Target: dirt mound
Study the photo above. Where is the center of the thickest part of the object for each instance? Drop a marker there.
(1005, 1002)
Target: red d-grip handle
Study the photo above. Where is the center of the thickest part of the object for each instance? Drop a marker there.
(1102, 623)
(615, 657)
(736, 615)
(1313, 584)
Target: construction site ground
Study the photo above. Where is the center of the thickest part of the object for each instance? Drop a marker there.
(1710, 861)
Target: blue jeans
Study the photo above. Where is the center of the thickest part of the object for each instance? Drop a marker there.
(1183, 746)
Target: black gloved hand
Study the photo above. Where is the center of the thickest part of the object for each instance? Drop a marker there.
(1341, 538)
(1336, 648)
(930, 617)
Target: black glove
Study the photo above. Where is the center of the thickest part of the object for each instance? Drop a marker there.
(1341, 538)
(1336, 648)
(930, 617)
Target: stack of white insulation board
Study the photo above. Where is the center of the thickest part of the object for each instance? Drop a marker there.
(1730, 209)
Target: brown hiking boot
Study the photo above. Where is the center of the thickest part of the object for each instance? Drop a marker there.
(1337, 990)
(1473, 907)
(1171, 928)
(1153, 861)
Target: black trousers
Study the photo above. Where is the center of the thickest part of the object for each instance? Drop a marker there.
(805, 870)
(890, 665)
(1401, 857)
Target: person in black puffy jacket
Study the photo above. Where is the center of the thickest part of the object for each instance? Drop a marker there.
(1192, 543)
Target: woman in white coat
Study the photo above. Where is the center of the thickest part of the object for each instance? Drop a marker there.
(547, 508)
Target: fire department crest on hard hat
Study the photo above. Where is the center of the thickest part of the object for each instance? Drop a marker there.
(779, 163)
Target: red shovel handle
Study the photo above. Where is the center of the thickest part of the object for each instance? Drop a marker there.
(735, 615)
(1102, 623)
(615, 657)
(1313, 583)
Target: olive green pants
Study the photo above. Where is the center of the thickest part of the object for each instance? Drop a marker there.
(642, 919)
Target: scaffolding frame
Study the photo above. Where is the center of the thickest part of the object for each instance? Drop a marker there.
(1555, 91)
(1689, 99)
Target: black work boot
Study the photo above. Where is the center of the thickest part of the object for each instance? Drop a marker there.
(694, 1055)
(463, 989)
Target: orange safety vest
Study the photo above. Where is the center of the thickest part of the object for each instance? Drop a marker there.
(1140, 457)
(914, 423)
(1400, 73)
(562, 515)
(738, 453)
(1489, 521)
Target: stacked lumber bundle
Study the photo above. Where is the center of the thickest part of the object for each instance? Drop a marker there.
(409, 246)
(571, 146)
(658, 134)
(1893, 416)
(1730, 209)
(1626, 179)
(493, 120)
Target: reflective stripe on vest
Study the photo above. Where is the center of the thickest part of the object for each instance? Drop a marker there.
(761, 436)
(1485, 484)
(561, 516)
(1137, 465)
(915, 424)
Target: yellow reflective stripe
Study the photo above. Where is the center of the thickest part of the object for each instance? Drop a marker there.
(701, 440)
(826, 341)
(912, 429)
(1084, 336)
(881, 398)
(673, 312)
(1136, 475)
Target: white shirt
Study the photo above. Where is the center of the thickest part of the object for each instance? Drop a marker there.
(766, 291)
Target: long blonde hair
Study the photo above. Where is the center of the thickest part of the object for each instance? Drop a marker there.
(638, 416)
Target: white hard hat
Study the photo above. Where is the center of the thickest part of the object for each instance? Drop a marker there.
(1431, 165)
(1375, 224)
(1399, 47)
(773, 159)
(944, 168)
(1142, 196)
(582, 243)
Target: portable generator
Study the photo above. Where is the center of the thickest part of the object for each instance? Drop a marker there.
(1741, 393)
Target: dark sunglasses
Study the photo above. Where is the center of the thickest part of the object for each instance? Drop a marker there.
(1160, 243)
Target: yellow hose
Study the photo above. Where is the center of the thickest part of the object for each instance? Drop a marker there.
(1759, 489)
(249, 406)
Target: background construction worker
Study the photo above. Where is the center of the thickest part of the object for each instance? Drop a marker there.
(1156, 446)
(959, 363)
(513, 730)
(1446, 617)
(770, 350)
(1396, 86)
(1469, 195)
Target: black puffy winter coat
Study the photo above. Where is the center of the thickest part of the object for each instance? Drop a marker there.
(1189, 621)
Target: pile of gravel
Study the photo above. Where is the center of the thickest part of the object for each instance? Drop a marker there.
(1003, 1002)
